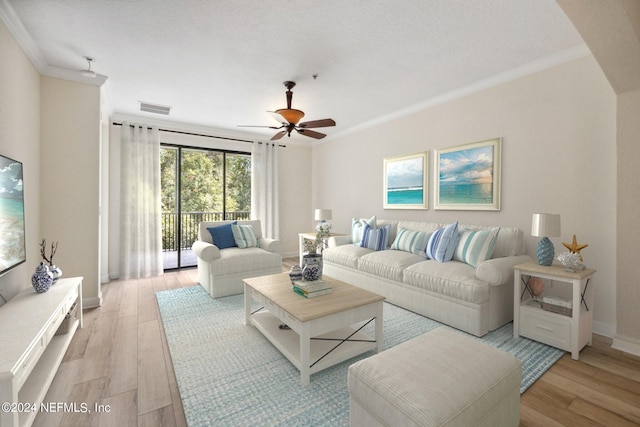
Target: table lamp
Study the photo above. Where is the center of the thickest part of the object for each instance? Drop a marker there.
(323, 215)
(545, 225)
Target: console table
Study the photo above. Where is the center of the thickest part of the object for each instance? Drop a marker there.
(31, 350)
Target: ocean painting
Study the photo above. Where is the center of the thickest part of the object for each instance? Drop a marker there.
(12, 241)
(406, 182)
(468, 177)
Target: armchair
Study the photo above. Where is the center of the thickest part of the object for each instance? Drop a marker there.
(221, 271)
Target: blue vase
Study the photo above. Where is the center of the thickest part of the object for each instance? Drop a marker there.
(42, 278)
(312, 269)
(545, 251)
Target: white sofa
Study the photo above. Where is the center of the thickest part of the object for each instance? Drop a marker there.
(221, 271)
(473, 299)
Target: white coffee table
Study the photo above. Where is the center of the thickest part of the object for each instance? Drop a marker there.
(321, 332)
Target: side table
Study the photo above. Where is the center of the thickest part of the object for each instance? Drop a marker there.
(311, 236)
(570, 333)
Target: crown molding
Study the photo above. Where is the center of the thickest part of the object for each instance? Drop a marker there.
(565, 56)
(31, 50)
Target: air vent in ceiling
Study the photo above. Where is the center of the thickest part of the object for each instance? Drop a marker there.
(154, 108)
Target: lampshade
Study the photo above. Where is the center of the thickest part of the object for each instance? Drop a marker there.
(323, 214)
(291, 115)
(545, 225)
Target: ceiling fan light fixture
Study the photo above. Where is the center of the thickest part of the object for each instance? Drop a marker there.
(291, 115)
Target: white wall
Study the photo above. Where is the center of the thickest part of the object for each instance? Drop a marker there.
(558, 155)
(20, 140)
(70, 179)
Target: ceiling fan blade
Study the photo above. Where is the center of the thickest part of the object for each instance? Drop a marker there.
(279, 135)
(251, 126)
(318, 123)
(311, 133)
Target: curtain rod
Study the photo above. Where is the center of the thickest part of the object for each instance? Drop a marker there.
(201, 134)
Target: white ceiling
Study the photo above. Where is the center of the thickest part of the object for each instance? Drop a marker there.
(219, 63)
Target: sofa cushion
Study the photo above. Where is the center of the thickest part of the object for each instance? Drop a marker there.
(357, 227)
(442, 243)
(345, 255)
(475, 246)
(389, 264)
(453, 279)
(222, 236)
(237, 260)
(375, 239)
(412, 241)
(510, 240)
(244, 236)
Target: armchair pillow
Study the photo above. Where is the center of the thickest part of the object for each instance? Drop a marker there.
(442, 243)
(222, 236)
(244, 236)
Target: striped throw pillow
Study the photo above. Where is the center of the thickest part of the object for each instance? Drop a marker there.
(442, 243)
(412, 241)
(357, 227)
(245, 236)
(376, 239)
(476, 246)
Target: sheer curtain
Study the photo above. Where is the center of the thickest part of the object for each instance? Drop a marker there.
(264, 187)
(140, 204)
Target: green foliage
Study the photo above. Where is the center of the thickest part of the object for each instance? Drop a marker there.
(202, 187)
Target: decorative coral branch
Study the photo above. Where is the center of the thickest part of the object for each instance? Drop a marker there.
(54, 249)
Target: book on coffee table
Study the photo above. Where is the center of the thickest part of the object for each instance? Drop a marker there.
(310, 289)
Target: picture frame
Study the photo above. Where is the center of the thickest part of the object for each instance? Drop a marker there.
(468, 177)
(406, 182)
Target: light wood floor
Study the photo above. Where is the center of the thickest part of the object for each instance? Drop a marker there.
(119, 360)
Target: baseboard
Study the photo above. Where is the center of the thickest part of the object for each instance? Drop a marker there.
(92, 302)
(604, 329)
(626, 344)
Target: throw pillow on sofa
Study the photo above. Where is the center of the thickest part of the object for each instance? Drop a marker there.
(412, 241)
(222, 236)
(476, 246)
(357, 227)
(442, 243)
(244, 236)
(376, 239)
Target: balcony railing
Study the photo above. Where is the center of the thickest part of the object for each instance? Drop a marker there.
(189, 222)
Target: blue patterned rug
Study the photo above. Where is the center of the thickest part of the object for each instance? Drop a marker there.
(230, 375)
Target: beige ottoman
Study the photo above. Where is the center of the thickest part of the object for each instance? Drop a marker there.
(441, 378)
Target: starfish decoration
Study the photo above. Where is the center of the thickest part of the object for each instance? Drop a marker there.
(574, 247)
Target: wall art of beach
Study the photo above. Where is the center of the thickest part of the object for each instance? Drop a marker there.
(405, 181)
(12, 242)
(466, 176)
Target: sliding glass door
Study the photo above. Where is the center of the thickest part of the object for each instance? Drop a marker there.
(200, 185)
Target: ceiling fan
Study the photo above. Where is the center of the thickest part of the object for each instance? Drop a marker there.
(289, 118)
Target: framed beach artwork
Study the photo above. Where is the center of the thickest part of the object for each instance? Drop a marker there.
(468, 176)
(405, 182)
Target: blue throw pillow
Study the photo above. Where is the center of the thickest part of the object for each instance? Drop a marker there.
(376, 239)
(442, 243)
(222, 235)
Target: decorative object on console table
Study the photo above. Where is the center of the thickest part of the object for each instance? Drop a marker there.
(42, 278)
(545, 225)
(56, 272)
(571, 261)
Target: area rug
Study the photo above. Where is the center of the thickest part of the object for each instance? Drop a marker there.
(229, 374)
